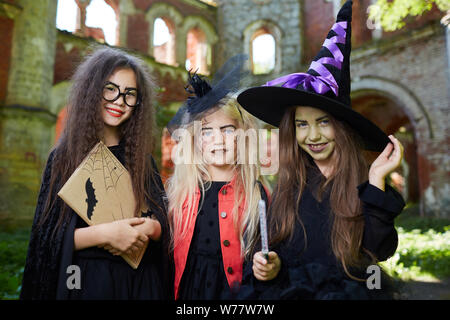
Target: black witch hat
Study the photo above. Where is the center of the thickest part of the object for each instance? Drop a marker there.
(326, 85)
(206, 95)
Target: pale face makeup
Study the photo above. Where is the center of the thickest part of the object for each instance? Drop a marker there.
(219, 140)
(315, 134)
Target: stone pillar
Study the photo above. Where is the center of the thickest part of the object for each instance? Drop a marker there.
(126, 8)
(445, 21)
(82, 6)
(25, 122)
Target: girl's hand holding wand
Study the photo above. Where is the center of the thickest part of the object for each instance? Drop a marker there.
(263, 269)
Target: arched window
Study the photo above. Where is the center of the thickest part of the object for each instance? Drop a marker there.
(198, 52)
(263, 48)
(100, 17)
(164, 41)
(67, 15)
(263, 44)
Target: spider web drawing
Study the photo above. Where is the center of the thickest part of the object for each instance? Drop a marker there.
(101, 159)
(104, 170)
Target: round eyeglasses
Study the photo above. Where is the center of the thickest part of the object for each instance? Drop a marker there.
(111, 92)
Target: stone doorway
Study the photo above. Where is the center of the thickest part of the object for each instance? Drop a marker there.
(392, 119)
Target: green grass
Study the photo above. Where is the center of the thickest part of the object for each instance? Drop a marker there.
(13, 251)
(423, 253)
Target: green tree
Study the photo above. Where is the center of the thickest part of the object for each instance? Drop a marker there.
(390, 14)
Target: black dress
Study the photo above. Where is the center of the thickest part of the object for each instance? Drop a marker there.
(204, 275)
(103, 276)
(313, 272)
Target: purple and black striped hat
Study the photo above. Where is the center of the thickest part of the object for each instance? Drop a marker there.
(326, 85)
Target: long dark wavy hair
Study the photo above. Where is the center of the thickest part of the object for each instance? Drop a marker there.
(84, 125)
(350, 170)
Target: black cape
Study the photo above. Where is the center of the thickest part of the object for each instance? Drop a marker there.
(51, 250)
(313, 272)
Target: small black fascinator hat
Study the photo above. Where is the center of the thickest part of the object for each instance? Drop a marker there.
(206, 95)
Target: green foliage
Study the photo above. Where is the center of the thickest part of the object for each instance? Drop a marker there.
(163, 115)
(13, 251)
(262, 68)
(391, 14)
(423, 251)
(411, 221)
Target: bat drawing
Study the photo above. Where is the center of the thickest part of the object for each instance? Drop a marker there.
(100, 191)
(91, 199)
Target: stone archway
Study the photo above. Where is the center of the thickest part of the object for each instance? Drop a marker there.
(398, 111)
(410, 104)
(259, 27)
(210, 35)
(172, 17)
(393, 120)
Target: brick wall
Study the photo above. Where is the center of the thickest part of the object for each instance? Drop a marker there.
(182, 6)
(138, 36)
(420, 67)
(172, 88)
(67, 57)
(360, 32)
(318, 17)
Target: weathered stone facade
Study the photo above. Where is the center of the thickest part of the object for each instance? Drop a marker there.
(25, 119)
(400, 80)
(238, 20)
(413, 72)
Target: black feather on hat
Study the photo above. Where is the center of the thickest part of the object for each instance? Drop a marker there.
(326, 85)
(206, 96)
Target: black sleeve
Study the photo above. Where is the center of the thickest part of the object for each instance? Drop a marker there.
(158, 203)
(67, 251)
(158, 208)
(40, 275)
(380, 209)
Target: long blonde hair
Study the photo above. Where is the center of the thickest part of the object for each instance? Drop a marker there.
(193, 173)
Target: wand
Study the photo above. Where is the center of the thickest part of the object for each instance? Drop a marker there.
(263, 228)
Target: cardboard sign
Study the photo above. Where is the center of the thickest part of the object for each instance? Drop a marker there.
(100, 191)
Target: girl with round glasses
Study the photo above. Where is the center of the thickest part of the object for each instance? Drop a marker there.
(111, 92)
(110, 101)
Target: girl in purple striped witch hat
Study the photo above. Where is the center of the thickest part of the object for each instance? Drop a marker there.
(331, 217)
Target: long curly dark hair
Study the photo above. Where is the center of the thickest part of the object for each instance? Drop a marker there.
(84, 125)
